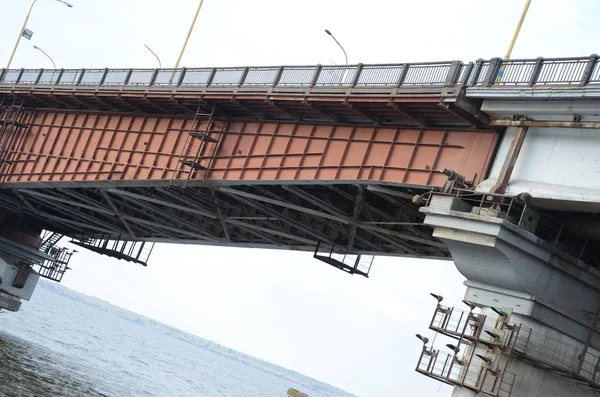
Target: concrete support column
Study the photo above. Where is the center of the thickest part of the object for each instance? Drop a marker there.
(532, 360)
(534, 334)
(12, 229)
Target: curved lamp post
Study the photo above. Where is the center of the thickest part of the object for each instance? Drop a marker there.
(156, 56)
(47, 56)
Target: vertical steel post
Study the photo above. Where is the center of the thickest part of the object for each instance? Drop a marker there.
(510, 160)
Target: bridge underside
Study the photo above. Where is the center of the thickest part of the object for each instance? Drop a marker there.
(359, 217)
(286, 171)
(424, 110)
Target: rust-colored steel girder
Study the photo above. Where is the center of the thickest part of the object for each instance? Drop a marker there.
(63, 148)
(247, 170)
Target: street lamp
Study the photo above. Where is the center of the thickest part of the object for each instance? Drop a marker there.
(48, 56)
(338, 43)
(25, 25)
(517, 30)
(343, 75)
(186, 40)
(156, 56)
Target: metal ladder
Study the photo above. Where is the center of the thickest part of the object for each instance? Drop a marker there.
(49, 240)
(203, 138)
(13, 125)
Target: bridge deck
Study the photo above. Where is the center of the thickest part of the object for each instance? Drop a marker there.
(291, 155)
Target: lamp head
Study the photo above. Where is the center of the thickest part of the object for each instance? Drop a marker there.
(36, 47)
(487, 360)
(422, 339)
(328, 32)
(500, 312)
(471, 306)
(438, 297)
(493, 335)
(455, 349)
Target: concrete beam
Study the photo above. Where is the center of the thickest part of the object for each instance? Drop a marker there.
(519, 269)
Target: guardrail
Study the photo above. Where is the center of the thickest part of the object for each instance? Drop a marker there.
(437, 74)
(495, 72)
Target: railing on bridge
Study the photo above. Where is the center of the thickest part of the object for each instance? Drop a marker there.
(387, 76)
(381, 77)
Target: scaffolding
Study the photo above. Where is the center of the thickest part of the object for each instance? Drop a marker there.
(55, 268)
(490, 346)
(105, 244)
(339, 258)
(479, 366)
(14, 121)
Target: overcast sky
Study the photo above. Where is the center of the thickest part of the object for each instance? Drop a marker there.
(285, 307)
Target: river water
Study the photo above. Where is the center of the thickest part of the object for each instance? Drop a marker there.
(56, 346)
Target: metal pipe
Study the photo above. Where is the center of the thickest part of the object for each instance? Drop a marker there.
(517, 30)
(546, 124)
(338, 43)
(187, 38)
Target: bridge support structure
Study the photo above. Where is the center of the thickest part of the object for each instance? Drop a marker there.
(27, 253)
(535, 334)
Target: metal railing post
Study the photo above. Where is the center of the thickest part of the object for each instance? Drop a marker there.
(315, 77)
(127, 77)
(537, 68)
(453, 72)
(103, 78)
(20, 76)
(180, 81)
(80, 77)
(357, 73)
(402, 76)
(60, 74)
(153, 77)
(466, 74)
(243, 77)
(277, 76)
(39, 76)
(589, 69)
(211, 76)
(476, 72)
(492, 72)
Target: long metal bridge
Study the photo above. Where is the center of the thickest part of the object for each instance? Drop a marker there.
(428, 160)
(285, 157)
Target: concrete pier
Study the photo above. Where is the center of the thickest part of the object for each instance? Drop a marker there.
(536, 332)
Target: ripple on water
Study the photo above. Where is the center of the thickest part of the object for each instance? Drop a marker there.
(58, 346)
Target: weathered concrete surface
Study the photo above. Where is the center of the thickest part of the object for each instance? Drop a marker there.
(517, 268)
(559, 167)
(531, 378)
(547, 291)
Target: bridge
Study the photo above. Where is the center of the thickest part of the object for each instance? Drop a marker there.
(491, 164)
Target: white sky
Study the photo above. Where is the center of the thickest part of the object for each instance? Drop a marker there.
(285, 307)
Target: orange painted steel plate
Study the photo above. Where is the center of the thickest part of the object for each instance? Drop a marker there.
(70, 146)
